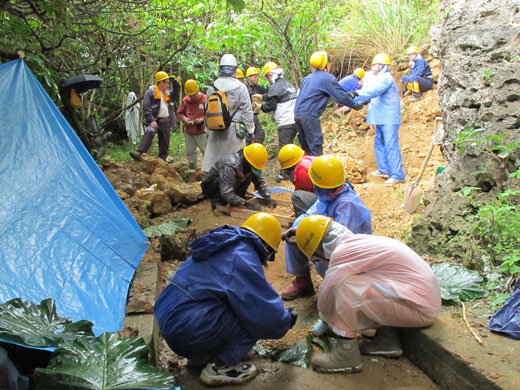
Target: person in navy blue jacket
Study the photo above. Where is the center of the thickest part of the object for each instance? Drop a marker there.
(219, 303)
(420, 78)
(315, 91)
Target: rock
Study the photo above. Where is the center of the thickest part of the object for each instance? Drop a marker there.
(184, 193)
(160, 203)
(176, 247)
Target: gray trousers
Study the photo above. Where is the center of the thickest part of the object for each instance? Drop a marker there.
(192, 143)
(163, 131)
(302, 200)
(259, 130)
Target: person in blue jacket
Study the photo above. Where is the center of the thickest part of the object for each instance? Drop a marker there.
(420, 78)
(384, 111)
(315, 91)
(219, 304)
(335, 200)
(350, 83)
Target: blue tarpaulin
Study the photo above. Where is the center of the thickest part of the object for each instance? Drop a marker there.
(64, 232)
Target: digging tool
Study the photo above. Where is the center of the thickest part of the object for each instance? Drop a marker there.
(412, 192)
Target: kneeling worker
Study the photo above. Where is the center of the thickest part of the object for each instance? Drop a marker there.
(227, 181)
(372, 282)
(219, 304)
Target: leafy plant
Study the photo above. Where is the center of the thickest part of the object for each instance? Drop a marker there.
(25, 323)
(487, 76)
(458, 283)
(168, 227)
(107, 362)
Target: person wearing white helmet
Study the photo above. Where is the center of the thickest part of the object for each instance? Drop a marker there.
(229, 140)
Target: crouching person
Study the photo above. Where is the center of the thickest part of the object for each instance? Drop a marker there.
(227, 181)
(372, 282)
(219, 304)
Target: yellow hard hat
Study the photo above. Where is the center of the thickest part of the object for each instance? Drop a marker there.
(359, 72)
(191, 87)
(256, 155)
(412, 49)
(266, 227)
(319, 59)
(290, 155)
(160, 76)
(269, 66)
(381, 58)
(327, 172)
(240, 74)
(251, 71)
(309, 233)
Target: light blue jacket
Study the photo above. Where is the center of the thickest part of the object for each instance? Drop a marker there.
(385, 103)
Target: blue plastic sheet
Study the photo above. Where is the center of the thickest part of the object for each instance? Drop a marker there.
(64, 232)
(507, 319)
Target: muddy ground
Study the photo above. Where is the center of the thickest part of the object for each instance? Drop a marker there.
(352, 141)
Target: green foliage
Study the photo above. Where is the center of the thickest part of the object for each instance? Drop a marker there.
(25, 323)
(169, 227)
(487, 77)
(458, 283)
(107, 362)
(388, 26)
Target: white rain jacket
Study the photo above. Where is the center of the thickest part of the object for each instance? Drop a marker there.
(133, 127)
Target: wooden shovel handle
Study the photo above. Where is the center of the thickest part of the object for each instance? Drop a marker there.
(425, 162)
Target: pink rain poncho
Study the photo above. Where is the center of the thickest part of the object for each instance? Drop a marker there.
(373, 281)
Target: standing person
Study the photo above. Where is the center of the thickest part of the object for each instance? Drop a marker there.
(371, 282)
(159, 114)
(253, 88)
(350, 83)
(384, 112)
(219, 303)
(280, 100)
(315, 91)
(240, 75)
(191, 112)
(229, 140)
(335, 200)
(132, 124)
(420, 78)
(230, 177)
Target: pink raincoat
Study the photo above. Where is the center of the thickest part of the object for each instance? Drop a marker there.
(373, 281)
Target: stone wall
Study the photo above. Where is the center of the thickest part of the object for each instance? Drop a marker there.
(478, 42)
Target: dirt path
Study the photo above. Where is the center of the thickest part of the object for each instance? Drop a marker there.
(352, 142)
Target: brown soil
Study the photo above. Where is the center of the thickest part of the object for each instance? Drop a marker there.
(352, 141)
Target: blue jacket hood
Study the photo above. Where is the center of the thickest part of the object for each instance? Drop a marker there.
(213, 242)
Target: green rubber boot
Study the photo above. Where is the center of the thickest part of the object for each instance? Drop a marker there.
(344, 357)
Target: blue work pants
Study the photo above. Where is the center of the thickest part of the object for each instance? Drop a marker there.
(309, 134)
(388, 154)
(425, 83)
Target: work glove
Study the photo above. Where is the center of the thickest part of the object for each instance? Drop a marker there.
(256, 107)
(288, 234)
(294, 315)
(250, 138)
(354, 94)
(270, 202)
(252, 206)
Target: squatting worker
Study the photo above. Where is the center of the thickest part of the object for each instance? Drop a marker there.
(295, 165)
(159, 114)
(336, 200)
(420, 78)
(227, 141)
(372, 282)
(228, 180)
(280, 99)
(191, 112)
(219, 304)
(253, 74)
(315, 91)
(384, 112)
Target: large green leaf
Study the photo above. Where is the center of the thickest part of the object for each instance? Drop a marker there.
(109, 361)
(34, 325)
(458, 283)
(297, 355)
(168, 227)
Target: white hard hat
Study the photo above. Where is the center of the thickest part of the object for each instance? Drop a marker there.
(228, 60)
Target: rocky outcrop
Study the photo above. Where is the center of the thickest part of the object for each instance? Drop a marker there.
(478, 43)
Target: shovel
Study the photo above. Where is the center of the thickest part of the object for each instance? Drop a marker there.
(412, 192)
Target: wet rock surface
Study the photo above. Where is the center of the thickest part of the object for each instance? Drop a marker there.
(479, 46)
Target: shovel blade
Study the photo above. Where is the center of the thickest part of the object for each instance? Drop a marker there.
(412, 197)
